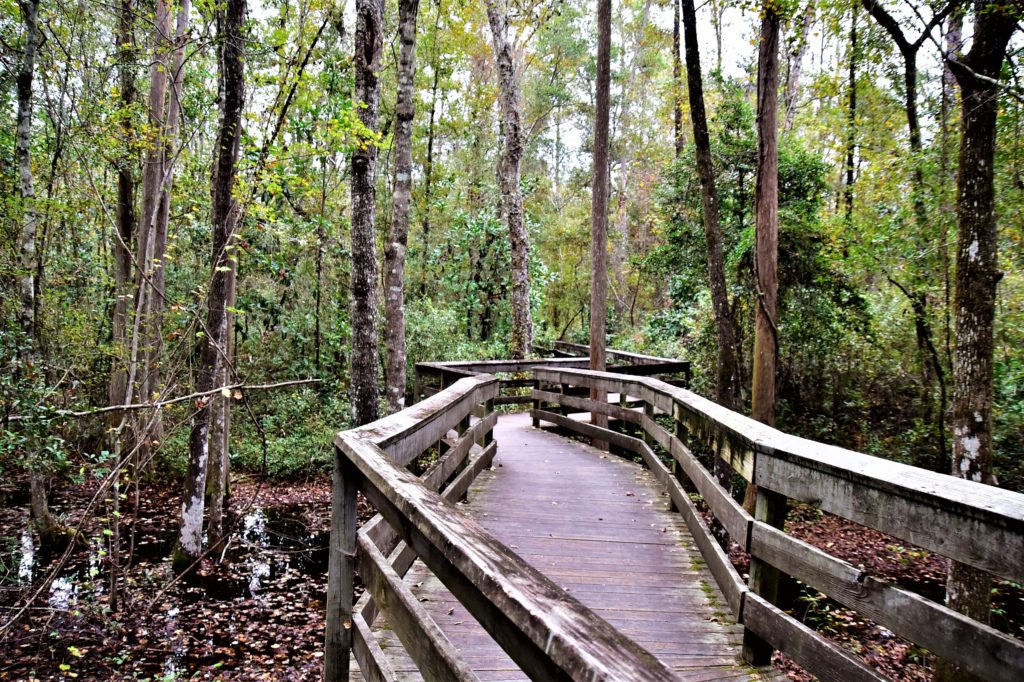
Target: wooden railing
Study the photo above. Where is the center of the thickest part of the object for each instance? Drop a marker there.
(969, 522)
(546, 631)
(432, 377)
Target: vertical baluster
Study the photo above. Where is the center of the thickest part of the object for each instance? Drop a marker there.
(338, 631)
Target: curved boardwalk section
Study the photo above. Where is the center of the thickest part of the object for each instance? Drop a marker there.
(598, 526)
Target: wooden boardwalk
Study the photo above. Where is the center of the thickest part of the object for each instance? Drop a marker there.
(599, 527)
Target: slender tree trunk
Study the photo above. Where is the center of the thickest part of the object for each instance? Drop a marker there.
(599, 203)
(677, 81)
(851, 121)
(766, 200)
(223, 212)
(219, 464)
(394, 252)
(27, 266)
(152, 180)
(365, 389)
(126, 218)
(509, 175)
(727, 384)
(977, 276)
(796, 64)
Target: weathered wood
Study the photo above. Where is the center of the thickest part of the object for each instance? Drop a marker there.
(971, 645)
(373, 664)
(721, 568)
(819, 656)
(460, 486)
(970, 522)
(594, 432)
(435, 656)
(407, 434)
(764, 578)
(338, 629)
(443, 469)
(548, 633)
(973, 523)
(588, 405)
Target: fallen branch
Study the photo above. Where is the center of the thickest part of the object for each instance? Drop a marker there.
(180, 399)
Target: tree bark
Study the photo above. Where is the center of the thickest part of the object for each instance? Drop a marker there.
(766, 202)
(977, 275)
(394, 252)
(223, 212)
(146, 245)
(365, 389)
(677, 81)
(509, 176)
(219, 464)
(599, 204)
(727, 384)
(796, 64)
(43, 521)
(126, 218)
(851, 121)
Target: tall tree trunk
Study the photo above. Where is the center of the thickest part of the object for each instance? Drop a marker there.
(766, 201)
(727, 384)
(428, 166)
(27, 266)
(223, 213)
(146, 255)
(219, 464)
(126, 218)
(365, 389)
(394, 252)
(509, 174)
(851, 121)
(977, 275)
(796, 63)
(932, 367)
(599, 202)
(677, 81)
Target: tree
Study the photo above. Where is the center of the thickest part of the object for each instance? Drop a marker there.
(394, 252)
(977, 275)
(599, 201)
(150, 246)
(677, 81)
(223, 213)
(766, 249)
(509, 178)
(727, 382)
(365, 391)
(28, 283)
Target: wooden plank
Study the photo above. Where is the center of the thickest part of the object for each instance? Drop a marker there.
(973, 646)
(588, 405)
(546, 631)
(459, 487)
(728, 580)
(442, 470)
(973, 523)
(435, 656)
(512, 400)
(969, 522)
(406, 434)
(817, 655)
(370, 658)
(595, 432)
(341, 551)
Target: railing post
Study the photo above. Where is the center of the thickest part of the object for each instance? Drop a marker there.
(563, 408)
(489, 433)
(648, 438)
(536, 403)
(341, 560)
(764, 578)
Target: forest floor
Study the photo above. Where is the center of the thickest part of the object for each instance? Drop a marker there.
(257, 615)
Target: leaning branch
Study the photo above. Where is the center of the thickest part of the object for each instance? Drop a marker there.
(179, 399)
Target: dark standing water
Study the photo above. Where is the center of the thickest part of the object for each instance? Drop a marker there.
(255, 615)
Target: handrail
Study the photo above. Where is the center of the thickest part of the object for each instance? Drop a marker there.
(972, 523)
(546, 631)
